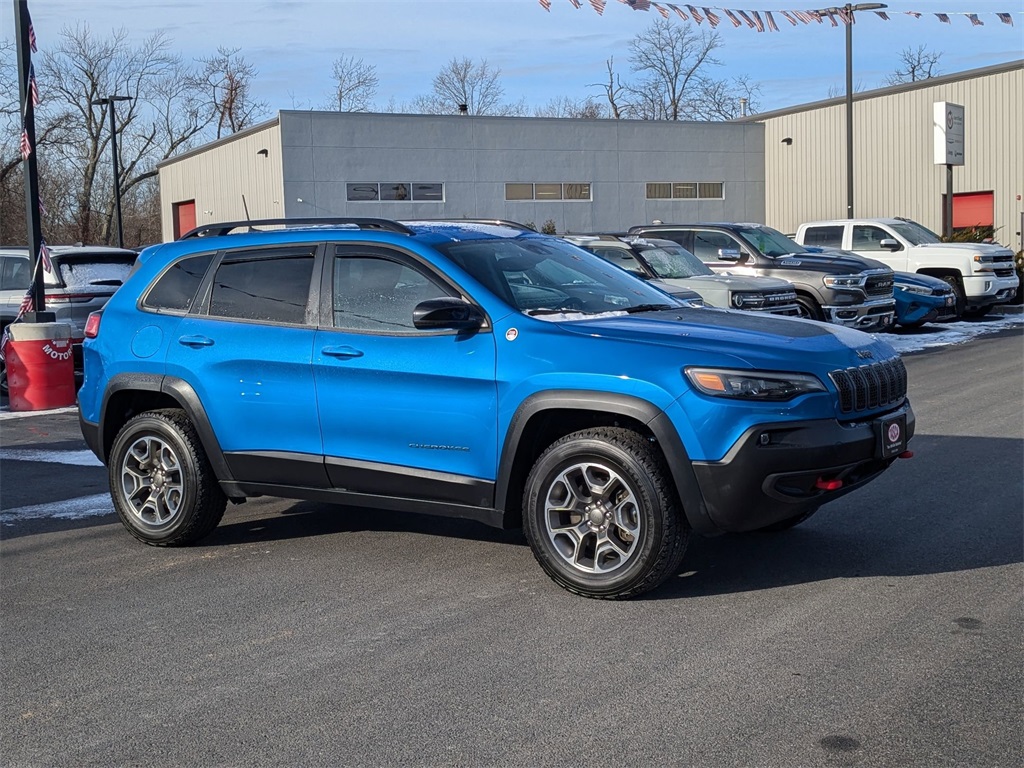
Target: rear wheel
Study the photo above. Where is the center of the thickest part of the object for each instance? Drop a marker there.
(809, 309)
(161, 481)
(601, 514)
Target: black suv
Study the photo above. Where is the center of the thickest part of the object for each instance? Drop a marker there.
(838, 287)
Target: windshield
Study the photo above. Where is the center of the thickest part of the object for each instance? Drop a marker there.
(915, 233)
(674, 262)
(770, 241)
(541, 276)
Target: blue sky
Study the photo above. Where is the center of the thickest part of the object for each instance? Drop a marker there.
(542, 55)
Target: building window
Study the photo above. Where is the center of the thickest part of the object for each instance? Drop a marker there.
(394, 191)
(548, 191)
(685, 190)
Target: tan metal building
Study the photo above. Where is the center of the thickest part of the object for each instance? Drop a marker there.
(894, 170)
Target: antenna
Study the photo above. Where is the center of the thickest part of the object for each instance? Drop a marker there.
(245, 207)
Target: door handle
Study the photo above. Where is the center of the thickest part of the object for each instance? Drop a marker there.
(344, 352)
(195, 341)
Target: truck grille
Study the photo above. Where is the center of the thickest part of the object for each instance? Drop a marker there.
(1003, 271)
(871, 386)
(780, 298)
(879, 285)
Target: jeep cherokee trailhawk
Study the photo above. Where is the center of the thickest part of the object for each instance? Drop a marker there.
(479, 371)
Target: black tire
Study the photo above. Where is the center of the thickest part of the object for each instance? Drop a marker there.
(809, 309)
(162, 484)
(613, 543)
(978, 311)
(958, 291)
(789, 522)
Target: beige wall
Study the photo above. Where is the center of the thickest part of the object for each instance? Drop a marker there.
(894, 174)
(219, 174)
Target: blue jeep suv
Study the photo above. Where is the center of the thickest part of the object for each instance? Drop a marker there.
(473, 370)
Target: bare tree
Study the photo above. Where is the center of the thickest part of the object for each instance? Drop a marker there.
(670, 60)
(565, 106)
(915, 64)
(613, 90)
(355, 85)
(461, 82)
(227, 78)
(720, 99)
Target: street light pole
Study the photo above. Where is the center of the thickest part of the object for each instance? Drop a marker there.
(849, 9)
(109, 101)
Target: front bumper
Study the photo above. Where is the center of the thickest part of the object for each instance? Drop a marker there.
(918, 309)
(982, 290)
(873, 315)
(766, 480)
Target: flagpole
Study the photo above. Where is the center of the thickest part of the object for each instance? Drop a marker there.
(33, 226)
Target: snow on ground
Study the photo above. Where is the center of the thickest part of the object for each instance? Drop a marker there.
(945, 334)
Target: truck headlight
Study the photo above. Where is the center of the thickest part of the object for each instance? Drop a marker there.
(844, 281)
(752, 385)
(748, 300)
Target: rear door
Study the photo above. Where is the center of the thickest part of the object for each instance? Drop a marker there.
(404, 412)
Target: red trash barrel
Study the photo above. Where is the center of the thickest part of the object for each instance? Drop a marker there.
(40, 368)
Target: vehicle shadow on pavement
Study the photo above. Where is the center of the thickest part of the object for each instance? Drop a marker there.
(951, 508)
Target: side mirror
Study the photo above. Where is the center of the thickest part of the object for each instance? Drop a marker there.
(888, 244)
(729, 254)
(447, 313)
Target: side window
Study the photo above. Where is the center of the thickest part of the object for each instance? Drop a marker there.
(620, 257)
(272, 287)
(373, 293)
(707, 244)
(176, 288)
(16, 274)
(867, 238)
(829, 237)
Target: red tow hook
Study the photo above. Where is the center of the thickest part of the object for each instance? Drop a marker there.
(906, 455)
(828, 485)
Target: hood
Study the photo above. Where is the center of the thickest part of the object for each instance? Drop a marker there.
(829, 262)
(924, 281)
(768, 342)
(734, 282)
(986, 249)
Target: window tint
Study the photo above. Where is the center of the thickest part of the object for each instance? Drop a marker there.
(176, 289)
(621, 258)
(259, 287)
(711, 190)
(831, 237)
(16, 274)
(867, 238)
(394, 191)
(377, 294)
(706, 245)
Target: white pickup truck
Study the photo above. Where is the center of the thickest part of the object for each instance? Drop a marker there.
(981, 275)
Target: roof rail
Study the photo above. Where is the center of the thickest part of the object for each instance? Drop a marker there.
(496, 222)
(225, 228)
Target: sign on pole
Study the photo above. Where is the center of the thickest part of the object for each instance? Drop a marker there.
(949, 133)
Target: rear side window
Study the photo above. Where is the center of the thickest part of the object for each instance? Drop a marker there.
(830, 237)
(176, 289)
(16, 275)
(272, 288)
(81, 272)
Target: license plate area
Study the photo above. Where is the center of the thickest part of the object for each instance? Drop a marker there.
(891, 436)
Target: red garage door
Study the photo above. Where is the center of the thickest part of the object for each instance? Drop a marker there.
(973, 209)
(185, 217)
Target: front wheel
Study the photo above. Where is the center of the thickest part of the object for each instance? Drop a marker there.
(161, 481)
(601, 514)
(809, 309)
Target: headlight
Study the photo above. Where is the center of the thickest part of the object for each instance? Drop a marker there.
(922, 289)
(752, 385)
(844, 281)
(747, 300)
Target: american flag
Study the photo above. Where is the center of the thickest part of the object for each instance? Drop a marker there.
(546, 5)
(882, 15)
(832, 18)
(757, 21)
(638, 5)
(815, 16)
(847, 17)
(33, 89)
(598, 5)
(1005, 18)
(771, 22)
(975, 21)
(713, 19)
(789, 18)
(44, 257)
(32, 37)
(660, 9)
(26, 145)
(732, 17)
(679, 12)
(575, 4)
(943, 17)
(915, 14)
(27, 303)
(695, 14)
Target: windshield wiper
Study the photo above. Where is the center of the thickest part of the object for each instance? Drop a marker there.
(550, 311)
(649, 308)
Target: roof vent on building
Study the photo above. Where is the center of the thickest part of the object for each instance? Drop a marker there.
(463, 109)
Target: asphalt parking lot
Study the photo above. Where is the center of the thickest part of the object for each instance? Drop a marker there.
(886, 631)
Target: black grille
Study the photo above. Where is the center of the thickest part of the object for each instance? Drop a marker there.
(871, 386)
(1003, 272)
(879, 285)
